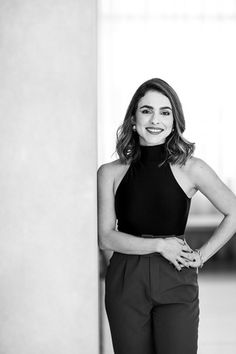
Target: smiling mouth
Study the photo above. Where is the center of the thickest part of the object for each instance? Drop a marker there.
(154, 130)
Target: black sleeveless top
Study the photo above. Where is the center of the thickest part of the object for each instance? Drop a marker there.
(149, 200)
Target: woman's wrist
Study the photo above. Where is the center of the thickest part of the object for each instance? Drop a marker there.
(200, 257)
(160, 244)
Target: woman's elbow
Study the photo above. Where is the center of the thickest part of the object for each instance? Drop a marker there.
(103, 240)
(231, 215)
(101, 244)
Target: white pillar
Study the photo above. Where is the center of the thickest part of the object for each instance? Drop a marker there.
(48, 239)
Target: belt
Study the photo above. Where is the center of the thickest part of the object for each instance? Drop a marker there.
(161, 236)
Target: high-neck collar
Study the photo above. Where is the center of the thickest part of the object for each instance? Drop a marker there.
(152, 153)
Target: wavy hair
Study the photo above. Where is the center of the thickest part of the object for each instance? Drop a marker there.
(178, 149)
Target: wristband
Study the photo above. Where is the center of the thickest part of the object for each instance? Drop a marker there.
(200, 256)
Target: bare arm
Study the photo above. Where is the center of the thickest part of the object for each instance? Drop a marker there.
(208, 183)
(111, 239)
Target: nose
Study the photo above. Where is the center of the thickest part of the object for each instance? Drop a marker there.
(155, 118)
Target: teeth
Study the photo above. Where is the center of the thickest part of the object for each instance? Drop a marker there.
(155, 129)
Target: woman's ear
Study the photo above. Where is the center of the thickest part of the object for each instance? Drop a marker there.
(132, 120)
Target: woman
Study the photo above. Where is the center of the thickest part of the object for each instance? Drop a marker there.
(151, 292)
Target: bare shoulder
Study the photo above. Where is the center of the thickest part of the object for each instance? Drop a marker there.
(111, 170)
(105, 169)
(192, 163)
(197, 167)
(210, 184)
(201, 173)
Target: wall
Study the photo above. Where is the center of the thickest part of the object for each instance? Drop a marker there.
(48, 241)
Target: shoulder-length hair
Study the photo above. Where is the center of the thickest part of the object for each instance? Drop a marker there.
(178, 149)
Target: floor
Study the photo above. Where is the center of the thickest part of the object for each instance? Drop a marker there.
(218, 313)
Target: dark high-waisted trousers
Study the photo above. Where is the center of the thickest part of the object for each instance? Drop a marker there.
(152, 307)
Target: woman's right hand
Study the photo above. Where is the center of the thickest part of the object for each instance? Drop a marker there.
(177, 252)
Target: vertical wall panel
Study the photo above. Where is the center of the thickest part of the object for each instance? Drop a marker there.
(48, 241)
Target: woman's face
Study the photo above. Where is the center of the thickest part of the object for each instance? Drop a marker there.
(153, 118)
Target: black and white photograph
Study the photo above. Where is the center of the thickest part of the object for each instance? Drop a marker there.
(117, 178)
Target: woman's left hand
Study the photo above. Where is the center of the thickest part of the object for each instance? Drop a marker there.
(196, 262)
(193, 259)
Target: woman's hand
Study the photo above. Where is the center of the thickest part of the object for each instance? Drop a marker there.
(178, 252)
(196, 260)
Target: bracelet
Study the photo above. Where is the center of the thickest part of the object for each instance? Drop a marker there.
(200, 256)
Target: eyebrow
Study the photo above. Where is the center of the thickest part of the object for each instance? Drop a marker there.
(150, 107)
(166, 108)
(146, 106)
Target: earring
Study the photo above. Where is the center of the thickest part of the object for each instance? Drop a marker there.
(172, 129)
(134, 128)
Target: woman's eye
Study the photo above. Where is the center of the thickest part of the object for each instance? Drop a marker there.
(145, 111)
(165, 113)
